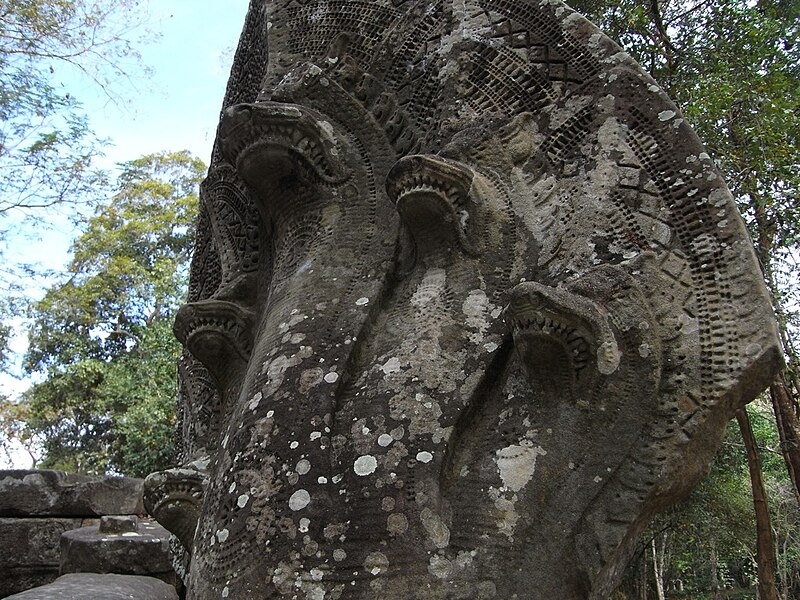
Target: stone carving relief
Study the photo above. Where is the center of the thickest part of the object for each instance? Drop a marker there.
(469, 304)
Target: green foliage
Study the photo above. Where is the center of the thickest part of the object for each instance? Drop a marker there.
(13, 419)
(47, 148)
(717, 520)
(101, 338)
(128, 267)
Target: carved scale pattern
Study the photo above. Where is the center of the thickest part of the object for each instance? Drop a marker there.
(235, 222)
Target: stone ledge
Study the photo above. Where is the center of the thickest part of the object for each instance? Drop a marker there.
(45, 493)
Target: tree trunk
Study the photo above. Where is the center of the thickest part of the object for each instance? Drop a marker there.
(658, 568)
(643, 577)
(783, 571)
(765, 543)
(714, 565)
(785, 403)
(788, 422)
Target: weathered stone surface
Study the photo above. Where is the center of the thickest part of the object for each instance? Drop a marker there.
(19, 579)
(29, 554)
(101, 587)
(119, 524)
(56, 493)
(470, 302)
(118, 545)
(32, 542)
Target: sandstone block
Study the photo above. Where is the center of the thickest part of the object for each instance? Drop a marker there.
(32, 542)
(40, 493)
(90, 586)
(29, 554)
(118, 545)
(19, 579)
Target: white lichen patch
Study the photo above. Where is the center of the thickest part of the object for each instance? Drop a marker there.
(309, 379)
(242, 500)
(430, 288)
(397, 523)
(284, 577)
(299, 500)
(421, 412)
(437, 531)
(391, 366)
(365, 465)
(516, 465)
(314, 592)
(424, 457)
(608, 357)
(476, 309)
(666, 115)
(222, 535)
(395, 455)
(505, 512)
(376, 563)
(303, 467)
(296, 318)
(339, 555)
(276, 368)
(362, 301)
(254, 401)
(304, 524)
(439, 567)
(331, 377)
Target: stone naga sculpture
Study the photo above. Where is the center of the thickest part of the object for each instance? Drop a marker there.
(469, 304)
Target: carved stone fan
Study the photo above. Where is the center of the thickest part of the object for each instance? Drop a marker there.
(470, 302)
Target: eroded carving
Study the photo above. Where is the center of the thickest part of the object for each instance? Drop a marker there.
(470, 304)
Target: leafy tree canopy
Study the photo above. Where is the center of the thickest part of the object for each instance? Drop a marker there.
(47, 149)
(46, 146)
(101, 338)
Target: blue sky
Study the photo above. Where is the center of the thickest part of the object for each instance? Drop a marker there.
(175, 107)
(178, 106)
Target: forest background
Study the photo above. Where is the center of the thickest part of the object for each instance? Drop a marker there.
(99, 360)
